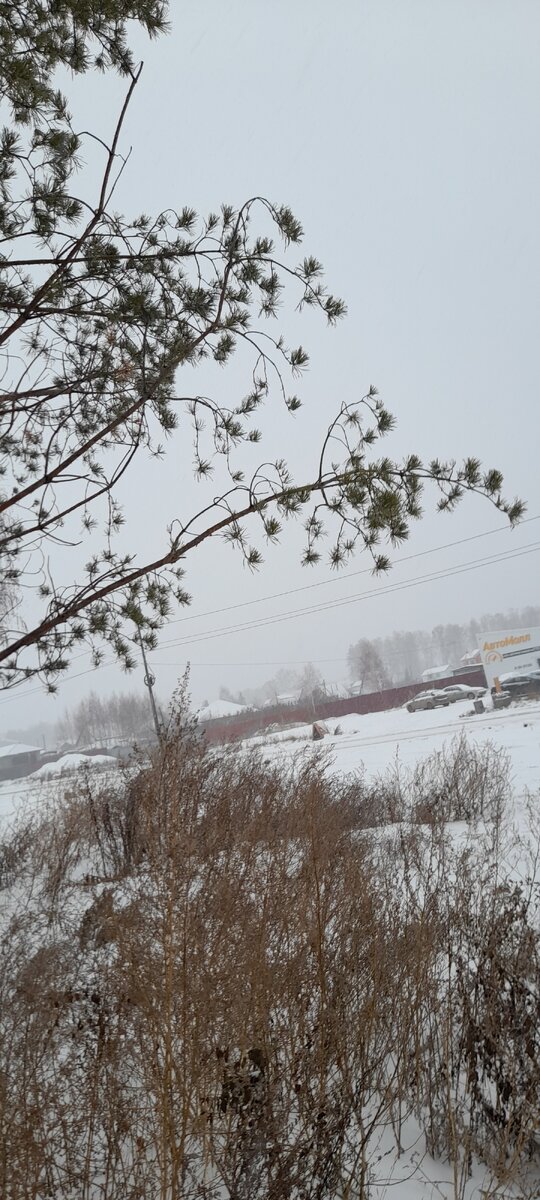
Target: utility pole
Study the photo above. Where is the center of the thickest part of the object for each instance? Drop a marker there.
(149, 681)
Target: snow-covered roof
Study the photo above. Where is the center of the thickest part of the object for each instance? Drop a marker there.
(17, 748)
(72, 762)
(220, 708)
(472, 656)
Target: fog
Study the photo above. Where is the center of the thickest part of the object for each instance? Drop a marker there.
(404, 136)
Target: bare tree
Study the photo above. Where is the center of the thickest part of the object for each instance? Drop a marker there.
(365, 663)
(106, 719)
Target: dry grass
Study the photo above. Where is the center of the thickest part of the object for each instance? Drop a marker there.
(217, 982)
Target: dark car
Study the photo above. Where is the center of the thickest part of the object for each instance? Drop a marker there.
(434, 698)
(521, 685)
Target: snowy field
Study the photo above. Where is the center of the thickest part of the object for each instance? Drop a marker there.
(48, 781)
(371, 742)
(374, 741)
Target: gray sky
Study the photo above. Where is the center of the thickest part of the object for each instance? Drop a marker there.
(405, 137)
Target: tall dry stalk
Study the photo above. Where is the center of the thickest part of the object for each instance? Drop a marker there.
(224, 977)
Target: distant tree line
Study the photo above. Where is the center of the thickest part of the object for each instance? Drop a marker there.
(389, 661)
(96, 720)
(403, 655)
(124, 715)
(379, 663)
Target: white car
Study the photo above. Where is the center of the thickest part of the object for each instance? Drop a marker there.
(462, 691)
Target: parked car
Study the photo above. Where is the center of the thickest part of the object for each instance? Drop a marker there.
(435, 698)
(462, 691)
(521, 684)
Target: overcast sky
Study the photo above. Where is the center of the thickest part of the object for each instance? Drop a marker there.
(405, 137)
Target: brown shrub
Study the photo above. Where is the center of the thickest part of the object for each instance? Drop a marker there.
(224, 981)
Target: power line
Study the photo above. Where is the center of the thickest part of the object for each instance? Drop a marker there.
(444, 573)
(304, 662)
(433, 577)
(209, 635)
(287, 662)
(212, 612)
(33, 691)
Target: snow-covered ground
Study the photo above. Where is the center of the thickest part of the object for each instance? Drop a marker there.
(373, 741)
(47, 781)
(370, 742)
(73, 762)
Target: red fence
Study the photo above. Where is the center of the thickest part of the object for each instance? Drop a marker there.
(228, 729)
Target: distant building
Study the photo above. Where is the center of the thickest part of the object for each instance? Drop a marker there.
(436, 673)
(288, 697)
(17, 760)
(473, 658)
(472, 661)
(218, 709)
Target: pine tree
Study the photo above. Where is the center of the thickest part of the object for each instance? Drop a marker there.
(101, 315)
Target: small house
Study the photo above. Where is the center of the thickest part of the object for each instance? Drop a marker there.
(17, 760)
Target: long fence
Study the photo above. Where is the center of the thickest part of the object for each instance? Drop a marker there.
(228, 729)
